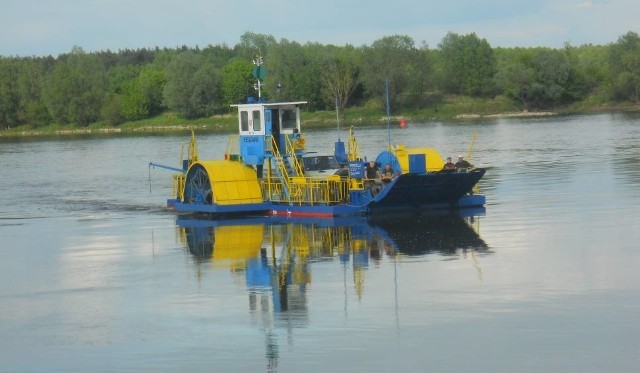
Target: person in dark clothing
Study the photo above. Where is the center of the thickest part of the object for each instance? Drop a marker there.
(387, 173)
(372, 172)
(343, 171)
(449, 165)
(373, 178)
(462, 164)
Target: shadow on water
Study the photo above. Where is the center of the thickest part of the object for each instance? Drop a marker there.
(421, 234)
(276, 255)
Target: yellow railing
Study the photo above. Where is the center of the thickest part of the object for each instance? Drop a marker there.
(306, 190)
(192, 150)
(178, 186)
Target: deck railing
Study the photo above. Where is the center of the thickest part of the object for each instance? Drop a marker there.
(306, 190)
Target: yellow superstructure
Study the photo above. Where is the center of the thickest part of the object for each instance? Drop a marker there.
(231, 182)
(434, 161)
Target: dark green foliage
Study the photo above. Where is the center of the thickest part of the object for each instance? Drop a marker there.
(541, 78)
(112, 110)
(339, 73)
(296, 70)
(193, 86)
(142, 95)
(135, 84)
(134, 105)
(76, 89)
(9, 97)
(625, 67)
(252, 45)
(552, 72)
(237, 81)
(468, 65)
(389, 58)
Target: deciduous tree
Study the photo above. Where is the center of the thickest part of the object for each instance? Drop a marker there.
(468, 64)
(76, 89)
(237, 81)
(388, 59)
(192, 87)
(625, 66)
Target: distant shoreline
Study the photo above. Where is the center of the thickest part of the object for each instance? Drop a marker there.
(220, 125)
(515, 114)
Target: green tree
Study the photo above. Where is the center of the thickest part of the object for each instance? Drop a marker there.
(253, 44)
(536, 77)
(387, 59)
(625, 67)
(32, 109)
(192, 86)
(422, 84)
(591, 64)
(9, 97)
(112, 110)
(76, 89)
(468, 64)
(294, 73)
(119, 75)
(218, 55)
(237, 81)
(339, 79)
(134, 104)
(206, 97)
(517, 79)
(151, 81)
(552, 74)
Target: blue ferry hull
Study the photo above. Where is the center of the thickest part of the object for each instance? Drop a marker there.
(406, 192)
(429, 190)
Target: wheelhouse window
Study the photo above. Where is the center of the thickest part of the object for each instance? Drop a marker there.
(257, 124)
(289, 119)
(244, 121)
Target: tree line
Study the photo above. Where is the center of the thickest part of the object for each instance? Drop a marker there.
(113, 87)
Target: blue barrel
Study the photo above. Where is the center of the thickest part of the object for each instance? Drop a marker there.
(340, 152)
(417, 163)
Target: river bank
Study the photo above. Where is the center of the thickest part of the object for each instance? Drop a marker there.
(169, 123)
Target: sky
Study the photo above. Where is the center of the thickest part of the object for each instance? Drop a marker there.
(53, 27)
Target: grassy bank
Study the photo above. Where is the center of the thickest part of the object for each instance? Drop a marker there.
(449, 108)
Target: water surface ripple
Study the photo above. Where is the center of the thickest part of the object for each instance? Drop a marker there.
(95, 275)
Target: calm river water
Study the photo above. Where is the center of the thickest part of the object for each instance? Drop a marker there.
(95, 275)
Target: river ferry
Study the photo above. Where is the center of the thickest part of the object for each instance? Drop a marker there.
(268, 170)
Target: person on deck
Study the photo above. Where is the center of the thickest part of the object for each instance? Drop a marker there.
(343, 171)
(462, 165)
(373, 177)
(449, 165)
(387, 173)
(372, 172)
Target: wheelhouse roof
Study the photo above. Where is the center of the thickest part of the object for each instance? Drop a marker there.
(271, 104)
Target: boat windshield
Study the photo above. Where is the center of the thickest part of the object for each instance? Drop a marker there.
(319, 163)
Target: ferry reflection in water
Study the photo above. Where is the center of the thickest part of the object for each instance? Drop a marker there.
(276, 254)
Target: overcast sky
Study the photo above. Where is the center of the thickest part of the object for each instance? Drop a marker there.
(52, 27)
